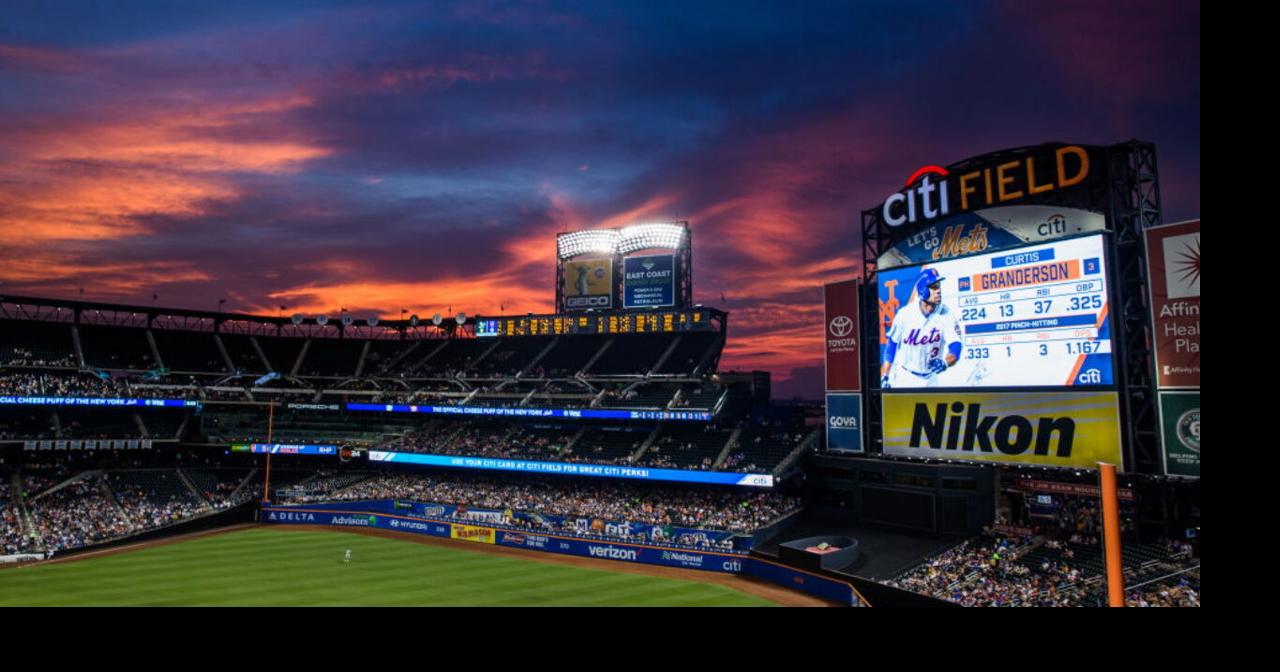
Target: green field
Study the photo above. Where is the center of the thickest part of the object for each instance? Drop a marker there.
(268, 567)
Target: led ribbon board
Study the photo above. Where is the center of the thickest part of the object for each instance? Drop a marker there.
(574, 469)
(525, 412)
(97, 402)
(285, 448)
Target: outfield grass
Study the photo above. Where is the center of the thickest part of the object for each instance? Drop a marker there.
(265, 567)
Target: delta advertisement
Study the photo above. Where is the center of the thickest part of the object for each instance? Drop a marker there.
(844, 422)
(990, 230)
(1036, 316)
(1173, 268)
(1180, 433)
(670, 557)
(588, 283)
(649, 281)
(1050, 429)
(841, 313)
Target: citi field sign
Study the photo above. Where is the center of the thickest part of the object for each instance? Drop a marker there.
(1032, 175)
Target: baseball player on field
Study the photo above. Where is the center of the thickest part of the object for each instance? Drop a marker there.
(924, 340)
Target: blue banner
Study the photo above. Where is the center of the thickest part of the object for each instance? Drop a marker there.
(574, 469)
(526, 412)
(649, 282)
(844, 422)
(285, 448)
(795, 579)
(98, 401)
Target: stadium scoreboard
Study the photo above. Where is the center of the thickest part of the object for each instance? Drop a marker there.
(1032, 316)
(610, 323)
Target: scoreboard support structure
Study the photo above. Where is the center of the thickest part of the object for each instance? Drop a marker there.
(1129, 197)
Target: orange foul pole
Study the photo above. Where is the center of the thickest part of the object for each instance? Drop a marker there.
(1111, 534)
(266, 482)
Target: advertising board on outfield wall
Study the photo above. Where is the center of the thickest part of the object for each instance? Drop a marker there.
(480, 535)
(1173, 272)
(1051, 429)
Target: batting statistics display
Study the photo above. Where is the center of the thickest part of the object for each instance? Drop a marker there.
(1037, 316)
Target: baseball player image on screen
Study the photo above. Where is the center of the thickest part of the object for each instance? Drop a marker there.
(924, 339)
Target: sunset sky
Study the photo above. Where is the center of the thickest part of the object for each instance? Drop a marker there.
(424, 155)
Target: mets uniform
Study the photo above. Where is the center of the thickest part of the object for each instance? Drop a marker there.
(915, 340)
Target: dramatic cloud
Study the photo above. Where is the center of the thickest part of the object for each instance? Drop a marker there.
(423, 157)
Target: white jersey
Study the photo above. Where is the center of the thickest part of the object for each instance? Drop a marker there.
(921, 339)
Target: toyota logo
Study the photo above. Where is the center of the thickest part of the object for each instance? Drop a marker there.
(841, 326)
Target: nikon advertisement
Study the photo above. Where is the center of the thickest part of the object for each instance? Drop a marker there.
(1051, 429)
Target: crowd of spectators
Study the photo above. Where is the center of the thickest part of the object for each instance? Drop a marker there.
(25, 357)
(726, 510)
(77, 515)
(986, 572)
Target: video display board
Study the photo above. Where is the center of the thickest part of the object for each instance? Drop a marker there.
(588, 283)
(649, 281)
(1036, 316)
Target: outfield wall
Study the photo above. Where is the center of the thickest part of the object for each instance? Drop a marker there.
(344, 515)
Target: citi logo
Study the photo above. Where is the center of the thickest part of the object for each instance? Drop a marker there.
(967, 429)
(1090, 377)
(901, 208)
(612, 553)
(731, 566)
(844, 422)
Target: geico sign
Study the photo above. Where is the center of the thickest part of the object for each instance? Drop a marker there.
(844, 422)
(934, 192)
(588, 301)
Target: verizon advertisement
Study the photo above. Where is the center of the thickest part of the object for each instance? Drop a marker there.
(1173, 267)
(843, 373)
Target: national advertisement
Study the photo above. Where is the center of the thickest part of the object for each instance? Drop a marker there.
(649, 281)
(588, 283)
(1173, 273)
(1051, 429)
(841, 336)
(1180, 433)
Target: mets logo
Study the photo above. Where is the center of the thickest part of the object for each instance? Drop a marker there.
(841, 326)
(914, 337)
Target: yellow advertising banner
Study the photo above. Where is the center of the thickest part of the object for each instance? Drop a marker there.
(482, 535)
(588, 283)
(1050, 429)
